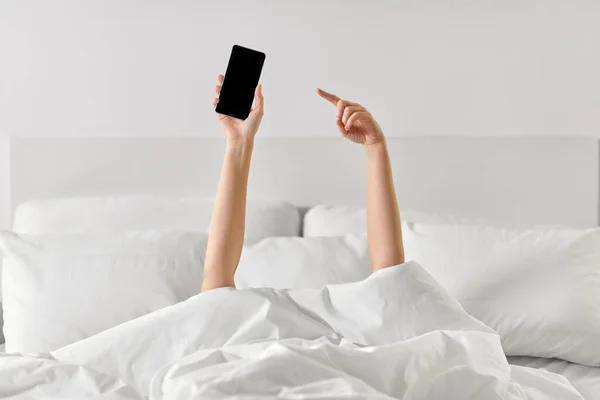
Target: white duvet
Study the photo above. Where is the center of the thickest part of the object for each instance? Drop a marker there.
(395, 335)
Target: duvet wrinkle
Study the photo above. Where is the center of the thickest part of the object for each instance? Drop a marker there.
(326, 298)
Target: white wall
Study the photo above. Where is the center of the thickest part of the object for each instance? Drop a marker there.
(424, 67)
(5, 206)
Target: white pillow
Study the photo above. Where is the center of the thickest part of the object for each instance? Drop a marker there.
(62, 288)
(80, 215)
(283, 263)
(324, 220)
(119, 214)
(539, 288)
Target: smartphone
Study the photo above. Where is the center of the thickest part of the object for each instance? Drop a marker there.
(241, 79)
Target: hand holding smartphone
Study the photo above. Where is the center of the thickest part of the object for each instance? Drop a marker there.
(241, 78)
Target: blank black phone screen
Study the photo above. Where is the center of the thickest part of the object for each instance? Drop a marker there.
(241, 78)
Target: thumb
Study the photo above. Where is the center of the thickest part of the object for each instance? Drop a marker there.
(259, 99)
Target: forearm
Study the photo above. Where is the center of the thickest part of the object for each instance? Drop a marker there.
(227, 226)
(384, 230)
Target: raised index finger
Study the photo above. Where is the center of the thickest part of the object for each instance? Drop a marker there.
(332, 98)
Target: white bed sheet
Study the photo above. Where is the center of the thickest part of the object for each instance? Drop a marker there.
(395, 335)
(585, 379)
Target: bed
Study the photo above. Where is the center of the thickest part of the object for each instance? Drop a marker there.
(168, 183)
(585, 379)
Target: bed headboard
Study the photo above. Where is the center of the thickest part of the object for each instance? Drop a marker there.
(513, 179)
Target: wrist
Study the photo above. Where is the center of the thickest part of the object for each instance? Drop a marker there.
(240, 142)
(376, 148)
(239, 151)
